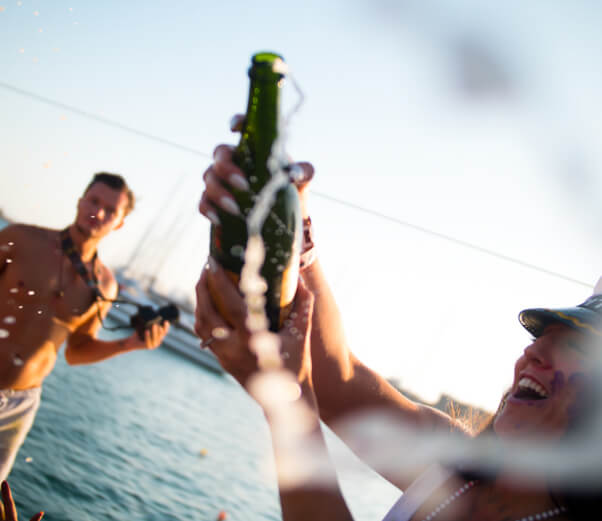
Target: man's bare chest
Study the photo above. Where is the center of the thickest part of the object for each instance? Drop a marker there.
(43, 280)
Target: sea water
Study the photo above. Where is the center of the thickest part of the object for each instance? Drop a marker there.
(149, 436)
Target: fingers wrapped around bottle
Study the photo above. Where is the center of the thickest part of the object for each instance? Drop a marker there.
(225, 332)
(220, 178)
(223, 176)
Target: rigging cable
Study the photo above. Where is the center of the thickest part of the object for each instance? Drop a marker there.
(348, 204)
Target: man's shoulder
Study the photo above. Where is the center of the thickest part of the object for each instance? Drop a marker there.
(28, 232)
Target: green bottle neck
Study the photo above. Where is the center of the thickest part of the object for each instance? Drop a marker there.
(261, 125)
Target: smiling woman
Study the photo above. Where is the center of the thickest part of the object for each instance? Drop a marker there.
(549, 380)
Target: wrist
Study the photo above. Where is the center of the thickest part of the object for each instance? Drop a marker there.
(132, 342)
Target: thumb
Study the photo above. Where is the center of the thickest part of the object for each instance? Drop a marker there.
(236, 123)
(301, 174)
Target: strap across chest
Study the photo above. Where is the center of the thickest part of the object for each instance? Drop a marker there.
(73, 255)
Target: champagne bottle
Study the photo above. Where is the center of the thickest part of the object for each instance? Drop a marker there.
(282, 229)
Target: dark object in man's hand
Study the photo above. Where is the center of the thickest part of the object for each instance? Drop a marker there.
(147, 316)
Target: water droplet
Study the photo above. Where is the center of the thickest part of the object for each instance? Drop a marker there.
(11, 243)
(273, 260)
(253, 179)
(256, 286)
(28, 459)
(255, 301)
(280, 268)
(8, 261)
(294, 330)
(257, 323)
(13, 290)
(39, 311)
(20, 306)
(9, 320)
(31, 292)
(220, 333)
(237, 251)
(116, 305)
(4, 333)
(293, 314)
(17, 360)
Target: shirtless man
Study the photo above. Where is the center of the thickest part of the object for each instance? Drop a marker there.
(45, 301)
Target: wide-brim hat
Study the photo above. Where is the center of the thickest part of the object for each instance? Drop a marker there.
(586, 317)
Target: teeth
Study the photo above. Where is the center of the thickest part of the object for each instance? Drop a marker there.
(527, 383)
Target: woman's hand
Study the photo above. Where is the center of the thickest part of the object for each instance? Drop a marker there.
(232, 341)
(227, 334)
(223, 173)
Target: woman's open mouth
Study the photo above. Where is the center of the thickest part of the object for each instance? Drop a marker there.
(529, 389)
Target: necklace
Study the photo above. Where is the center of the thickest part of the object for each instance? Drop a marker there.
(547, 514)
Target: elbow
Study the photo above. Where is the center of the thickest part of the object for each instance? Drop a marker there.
(71, 356)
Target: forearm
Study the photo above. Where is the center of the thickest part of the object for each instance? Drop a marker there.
(331, 357)
(307, 478)
(342, 383)
(91, 350)
(345, 388)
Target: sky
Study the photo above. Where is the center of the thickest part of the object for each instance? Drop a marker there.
(456, 146)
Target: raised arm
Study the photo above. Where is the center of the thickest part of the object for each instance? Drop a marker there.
(342, 383)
